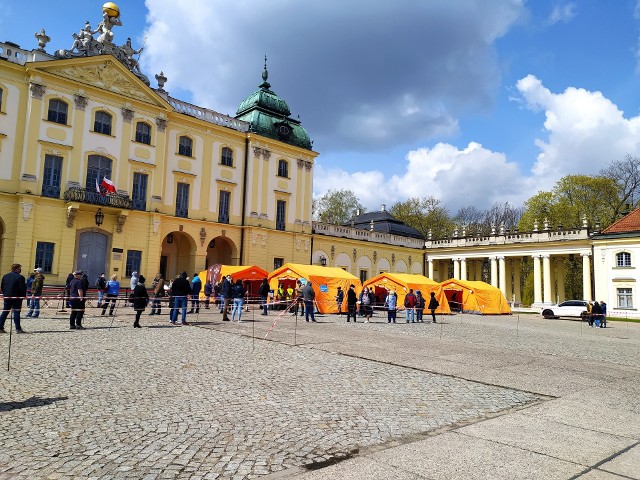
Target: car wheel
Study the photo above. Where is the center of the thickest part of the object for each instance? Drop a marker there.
(548, 314)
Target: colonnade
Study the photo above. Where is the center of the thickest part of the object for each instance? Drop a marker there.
(505, 272)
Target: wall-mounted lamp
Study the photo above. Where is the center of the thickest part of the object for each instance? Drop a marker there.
(323, 261)
(99, 217)
(170, 238)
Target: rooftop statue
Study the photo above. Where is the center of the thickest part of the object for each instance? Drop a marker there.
(85, 45)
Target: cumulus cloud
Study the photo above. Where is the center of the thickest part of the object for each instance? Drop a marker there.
(583, 132)
(359, 80)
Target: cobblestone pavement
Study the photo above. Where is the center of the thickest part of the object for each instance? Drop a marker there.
(205, 402)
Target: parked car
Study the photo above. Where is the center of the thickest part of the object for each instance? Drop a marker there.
(568, 308)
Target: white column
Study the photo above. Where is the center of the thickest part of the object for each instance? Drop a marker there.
(537, 280)
(463, 269)
(502, 276)
(494, 271)
(546, 279)
(431, 269)
(517, 266)
(560, 279)
(586, 277)
(456, 269)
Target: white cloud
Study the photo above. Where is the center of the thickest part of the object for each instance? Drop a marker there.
(562, 13)
(584, 132)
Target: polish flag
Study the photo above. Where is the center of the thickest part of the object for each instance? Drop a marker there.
(98, 188)
(107, 186)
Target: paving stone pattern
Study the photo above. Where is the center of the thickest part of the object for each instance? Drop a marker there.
(196, 402)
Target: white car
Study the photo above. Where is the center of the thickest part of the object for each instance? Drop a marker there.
(568, 308)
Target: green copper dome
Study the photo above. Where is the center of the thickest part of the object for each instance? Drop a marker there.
(269, 116)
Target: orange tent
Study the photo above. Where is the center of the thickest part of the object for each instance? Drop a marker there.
(250, 275)
(401, 283)
(324, 281)
(475, 297)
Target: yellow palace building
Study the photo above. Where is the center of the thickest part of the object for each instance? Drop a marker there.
(192, 187)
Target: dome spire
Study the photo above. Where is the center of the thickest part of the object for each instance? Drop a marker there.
(265, 75)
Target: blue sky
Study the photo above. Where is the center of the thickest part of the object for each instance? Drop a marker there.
(472, 101)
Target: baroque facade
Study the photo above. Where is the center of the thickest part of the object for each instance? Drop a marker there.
(192, 187)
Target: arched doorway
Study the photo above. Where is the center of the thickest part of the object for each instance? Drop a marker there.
(91, 255)
(221, 250)
(178, 255)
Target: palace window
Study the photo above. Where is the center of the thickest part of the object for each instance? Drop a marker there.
(283, 168)
(623, 259)
(625, 298)
(134, 260)
(57, 112)
(281, 214)
(364, 275)
(226, 158)
(52, 176)
(143, 133)
(102, 123)
(185, 146)
(277, 262)
(182, 200)
(223, 209)
(44, 256)
(139, 191)
(98, 167)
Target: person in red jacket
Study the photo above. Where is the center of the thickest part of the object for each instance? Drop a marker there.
(410, 306)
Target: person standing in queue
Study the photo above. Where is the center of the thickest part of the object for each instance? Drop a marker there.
(180, 290)
(309, 296)
(263, 291)
(36, 294)
(77, 296)
(14, 289)
(140, 300)
(433, 305)
(391, 302)
(111, 295)
(352, 299)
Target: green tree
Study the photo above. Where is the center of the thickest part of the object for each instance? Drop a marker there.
(424, 214)
(337, 207)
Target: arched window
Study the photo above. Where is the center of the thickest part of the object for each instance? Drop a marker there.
(283, 168)
(227, 157)
(102, 123)
(143, 133)
(623, 259)
(185, 146)
(98, 167)
(57, 112)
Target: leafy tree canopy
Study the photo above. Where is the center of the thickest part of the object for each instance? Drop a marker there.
(337, 207)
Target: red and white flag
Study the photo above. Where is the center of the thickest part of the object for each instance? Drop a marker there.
(107, 186)
(98, 187)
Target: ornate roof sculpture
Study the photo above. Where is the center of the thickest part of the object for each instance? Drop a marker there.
(85, 45)
(269, 116)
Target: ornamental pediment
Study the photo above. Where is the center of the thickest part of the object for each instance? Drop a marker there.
(106, 75)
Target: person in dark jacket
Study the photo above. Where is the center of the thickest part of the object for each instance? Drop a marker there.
(263, 291)
(14, 289)
(339, 300)
(225, 297)
(208, 291)
(30, 280)
(433, 305)
(237, 293)
(352, 298)
(196, 286)
(420, 304)
(78, 297)
(180, 290)
(309, 296)
(140, 300)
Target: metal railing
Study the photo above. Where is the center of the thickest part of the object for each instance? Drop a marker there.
(84, 195)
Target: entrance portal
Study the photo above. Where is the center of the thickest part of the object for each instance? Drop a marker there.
(92, 254)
